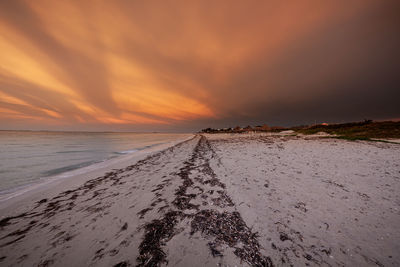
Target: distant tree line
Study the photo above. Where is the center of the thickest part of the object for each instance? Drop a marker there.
(238, 129)
(265, 128)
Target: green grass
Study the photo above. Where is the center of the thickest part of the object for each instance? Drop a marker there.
(356, 131)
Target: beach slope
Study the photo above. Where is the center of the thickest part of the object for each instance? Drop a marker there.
(257, 200)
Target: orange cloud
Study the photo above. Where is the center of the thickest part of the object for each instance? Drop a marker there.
(169, 63)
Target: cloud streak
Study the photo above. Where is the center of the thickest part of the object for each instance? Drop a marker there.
(127, 65)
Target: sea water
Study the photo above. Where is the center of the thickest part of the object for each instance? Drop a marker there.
(26, 157)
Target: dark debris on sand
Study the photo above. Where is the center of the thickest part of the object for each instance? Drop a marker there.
(157, 233)
(226, 228)
(143, 212)
(122, 264)
(65, 201)
(230, 229)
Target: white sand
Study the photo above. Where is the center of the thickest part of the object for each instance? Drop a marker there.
(312, 201)
(337, 201)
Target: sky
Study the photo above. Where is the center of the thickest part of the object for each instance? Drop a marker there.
(188, 65)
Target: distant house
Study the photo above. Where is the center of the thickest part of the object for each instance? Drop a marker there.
(237, 129)
(265, 128)
(248, 129)
(209, 130)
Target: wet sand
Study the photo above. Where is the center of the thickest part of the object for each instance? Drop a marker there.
(255, 200)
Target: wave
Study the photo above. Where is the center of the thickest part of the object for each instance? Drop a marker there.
(139, 148)
(68, 168)
(127, 151)
(74, 151)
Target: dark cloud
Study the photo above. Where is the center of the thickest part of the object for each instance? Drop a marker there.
(127, 65)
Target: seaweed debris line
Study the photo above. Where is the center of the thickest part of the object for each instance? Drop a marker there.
(219, 200)
(163, 208)
(207, 209)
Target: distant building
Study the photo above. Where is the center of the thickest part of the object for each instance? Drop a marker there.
(237, 129)
(263, 128)
(277, 128)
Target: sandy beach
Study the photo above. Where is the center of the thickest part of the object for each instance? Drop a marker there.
(218, 200)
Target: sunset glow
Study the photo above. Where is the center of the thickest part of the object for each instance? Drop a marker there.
(178, 63)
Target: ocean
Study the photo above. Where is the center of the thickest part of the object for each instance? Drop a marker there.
(27, 157)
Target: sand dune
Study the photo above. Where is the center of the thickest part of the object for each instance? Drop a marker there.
(254, 200)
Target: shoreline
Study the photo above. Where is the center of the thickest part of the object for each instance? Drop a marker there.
(220, 199)
(70, 178)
